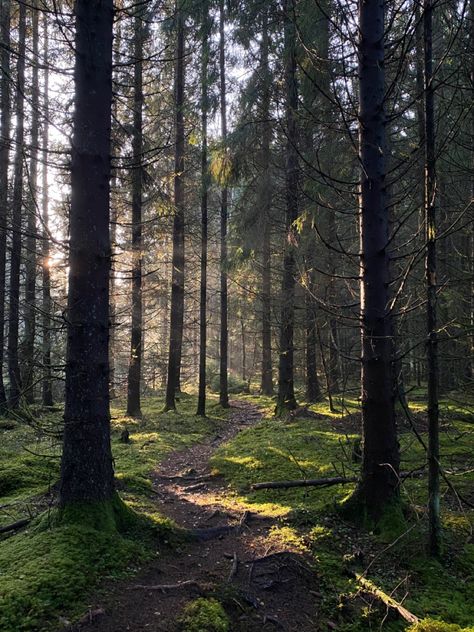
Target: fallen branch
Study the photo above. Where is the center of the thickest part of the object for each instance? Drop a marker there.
(386, 599)
(234, 568)
(15, 525)
(191, 479)
(194, 488)
(210, 533)
(243, 520)
(189, 583)
(324, 482)
(305, 482)
(268, 618)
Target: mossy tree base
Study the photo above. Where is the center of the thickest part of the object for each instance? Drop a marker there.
(284, 407)
(386, 519)
(108, 516)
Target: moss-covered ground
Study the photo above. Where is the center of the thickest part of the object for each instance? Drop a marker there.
(48, 571)
(393, 555)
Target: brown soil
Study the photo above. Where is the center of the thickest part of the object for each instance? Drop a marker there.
(264, 586)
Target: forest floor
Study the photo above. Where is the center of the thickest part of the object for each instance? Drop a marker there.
(267, 584)
(272, 559)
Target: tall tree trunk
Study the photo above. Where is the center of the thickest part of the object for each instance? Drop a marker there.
(47, 386)
(313, 390)
(135, 361)
(17, 202)
(177, 275)
(431, 285)
(114, 221)
(244, 349)
(224, 337)
(471, 232)
(379, 484)
(266, 200)
(286, 396)
(5, 116)
(201, 407)
(332, 330)
(30, 267)
(87, 467)
(315, 86)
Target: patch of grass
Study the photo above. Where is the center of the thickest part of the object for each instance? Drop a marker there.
(48, 570)
(204, 615)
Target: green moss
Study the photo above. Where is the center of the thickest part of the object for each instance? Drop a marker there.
(204, 615)
(26, 472)
(49, 570)
(430, 625)
(275, 450)
(47, 573)
(312, 448)
(390, 525)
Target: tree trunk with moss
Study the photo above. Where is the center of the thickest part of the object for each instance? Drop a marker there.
(87, 468)
(379, 485)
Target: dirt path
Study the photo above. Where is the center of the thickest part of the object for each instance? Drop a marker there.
(278, 592)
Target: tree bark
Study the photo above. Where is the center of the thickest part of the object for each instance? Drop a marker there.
(266, 201)
(5, 121)
(201, 407)
(431, 285)
(87, 466)
(379, 485)
(313, 390)
(177, 275)
(135, 361)
(17, 204)
(114, 220)
(30, 267)
(224, 335)
(47, 386)
(333, 355)
(286, 396)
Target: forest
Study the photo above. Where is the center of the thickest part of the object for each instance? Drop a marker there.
(237, 315)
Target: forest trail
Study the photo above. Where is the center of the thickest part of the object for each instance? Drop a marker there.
(264, 586)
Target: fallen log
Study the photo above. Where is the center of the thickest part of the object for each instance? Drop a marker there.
(305, 482)
(388, 601)
(15, 525)
(324, 482)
